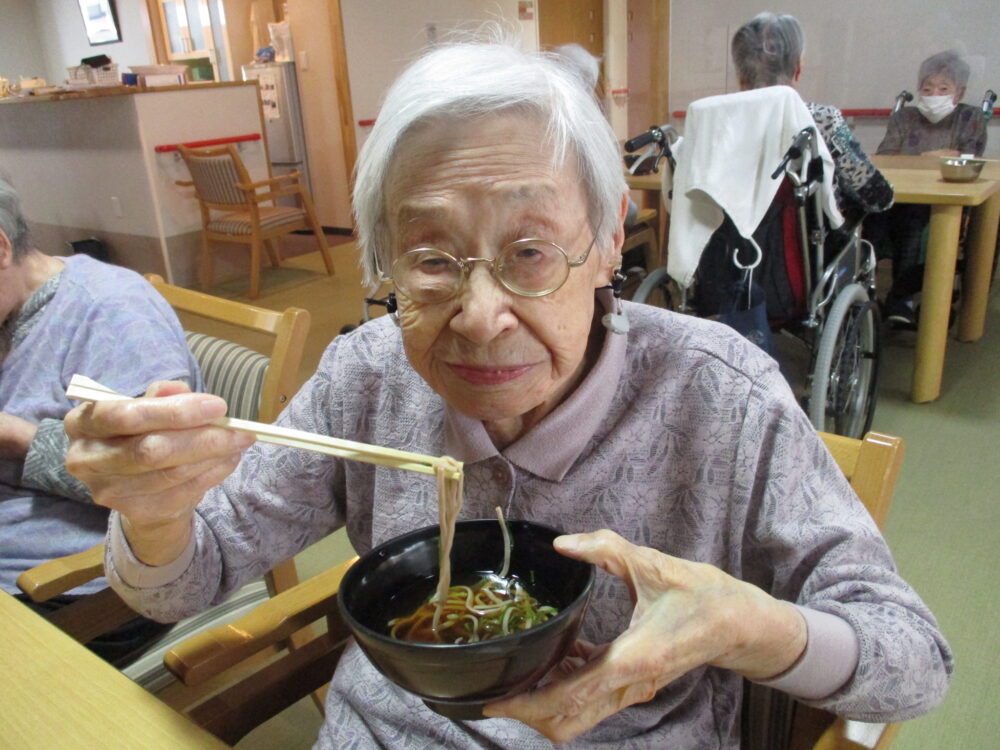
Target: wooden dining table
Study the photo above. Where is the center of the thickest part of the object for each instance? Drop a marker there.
(54, 693)
(917, 179)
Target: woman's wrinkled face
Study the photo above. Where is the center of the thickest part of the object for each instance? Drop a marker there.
(469, 188)
(940, 85)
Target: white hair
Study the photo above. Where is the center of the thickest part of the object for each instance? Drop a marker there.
(12, 221)
(767, 48)
(472, 79)
(949, 64)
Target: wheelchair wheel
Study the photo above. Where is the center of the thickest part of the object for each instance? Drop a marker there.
(845, 378)
(659, 290)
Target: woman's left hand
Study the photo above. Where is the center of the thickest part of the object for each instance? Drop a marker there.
(686, 615)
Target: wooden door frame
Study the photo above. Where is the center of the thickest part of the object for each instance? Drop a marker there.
(660, 80)
(343, 85)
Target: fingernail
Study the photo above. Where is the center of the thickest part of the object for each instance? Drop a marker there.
(567, 542)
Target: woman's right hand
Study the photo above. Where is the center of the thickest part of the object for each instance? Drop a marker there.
(152, 459)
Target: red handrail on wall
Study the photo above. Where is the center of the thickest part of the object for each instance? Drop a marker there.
(679, 114)
(211, 142)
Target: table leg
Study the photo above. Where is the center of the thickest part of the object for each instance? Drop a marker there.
(935, 302)
(978, 267)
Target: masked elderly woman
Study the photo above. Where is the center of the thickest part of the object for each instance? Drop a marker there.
(768, 50)
(492, 194)
(938, 125)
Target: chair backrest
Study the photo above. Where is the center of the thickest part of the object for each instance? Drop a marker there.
(871, 465)
(251, 697)
(233, 371)
(216, 172)
(255, 387)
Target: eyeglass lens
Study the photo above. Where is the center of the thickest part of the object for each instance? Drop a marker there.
(526, 267)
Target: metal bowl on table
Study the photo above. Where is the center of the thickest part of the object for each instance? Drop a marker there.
(957, 169)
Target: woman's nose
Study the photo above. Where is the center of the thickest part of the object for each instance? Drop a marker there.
(485, 307)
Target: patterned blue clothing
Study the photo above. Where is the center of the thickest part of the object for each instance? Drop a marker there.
(682, 437)
(109, 324)
(860, 187)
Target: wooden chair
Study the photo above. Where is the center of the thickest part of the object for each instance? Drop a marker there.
(222, 185)
(872, 466)
(255, 386)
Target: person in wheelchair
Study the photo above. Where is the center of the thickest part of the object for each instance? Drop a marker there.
(939, 124)
(490, 194)
(59, 316)
(768, 51)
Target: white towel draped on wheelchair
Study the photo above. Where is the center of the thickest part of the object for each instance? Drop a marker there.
(725, 162)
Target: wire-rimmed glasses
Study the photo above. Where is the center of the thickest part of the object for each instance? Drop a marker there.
(527, 267)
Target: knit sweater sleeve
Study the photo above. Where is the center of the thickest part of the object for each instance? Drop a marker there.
(810, 540)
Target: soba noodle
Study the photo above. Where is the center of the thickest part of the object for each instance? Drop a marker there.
(495, 606)
(449, 505)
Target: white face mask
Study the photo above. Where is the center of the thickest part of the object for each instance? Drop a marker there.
(936, 108)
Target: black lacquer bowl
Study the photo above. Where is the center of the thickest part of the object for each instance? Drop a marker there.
(457, 680)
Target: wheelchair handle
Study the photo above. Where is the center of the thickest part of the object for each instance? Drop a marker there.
(989, 99)
(655, 134)
(903, 97)
(795, 150)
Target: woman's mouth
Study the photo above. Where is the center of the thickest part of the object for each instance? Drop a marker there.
(488, 375)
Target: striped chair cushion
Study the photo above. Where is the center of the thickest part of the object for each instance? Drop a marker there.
(231, 371)
(216, 178)
(238, 222)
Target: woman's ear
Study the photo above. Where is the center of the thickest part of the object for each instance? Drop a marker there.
(959, 94)
(798, 70)
(6, 251)
(619, 238)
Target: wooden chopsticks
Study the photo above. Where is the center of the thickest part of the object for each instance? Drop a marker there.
(82, 388)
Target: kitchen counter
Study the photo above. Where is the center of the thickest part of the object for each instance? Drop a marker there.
(101, 92)
(85, 165)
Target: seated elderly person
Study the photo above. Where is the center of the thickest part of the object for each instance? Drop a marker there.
(768, 51)
(938, 125)
(62, 316)
(669, 448)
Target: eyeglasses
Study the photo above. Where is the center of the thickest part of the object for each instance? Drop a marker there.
(529, 267)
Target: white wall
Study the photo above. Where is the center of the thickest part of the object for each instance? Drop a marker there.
(383, 35)
(859, 54)
(20, 43)
(64, 40)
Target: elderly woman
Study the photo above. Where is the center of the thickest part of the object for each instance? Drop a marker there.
(768, 51)
(491, 193)
(59, 316)
(939, 125)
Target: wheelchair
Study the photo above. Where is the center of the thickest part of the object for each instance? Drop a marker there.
(830, 272)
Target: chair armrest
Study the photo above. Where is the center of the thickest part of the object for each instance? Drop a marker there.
(184, 183)
(290, 177)
(58, 576)
(213, 651)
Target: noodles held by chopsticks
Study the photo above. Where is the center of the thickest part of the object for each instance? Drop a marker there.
(449, 505)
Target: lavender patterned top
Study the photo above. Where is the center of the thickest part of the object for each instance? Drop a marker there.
(102, 321)
(683, 437)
